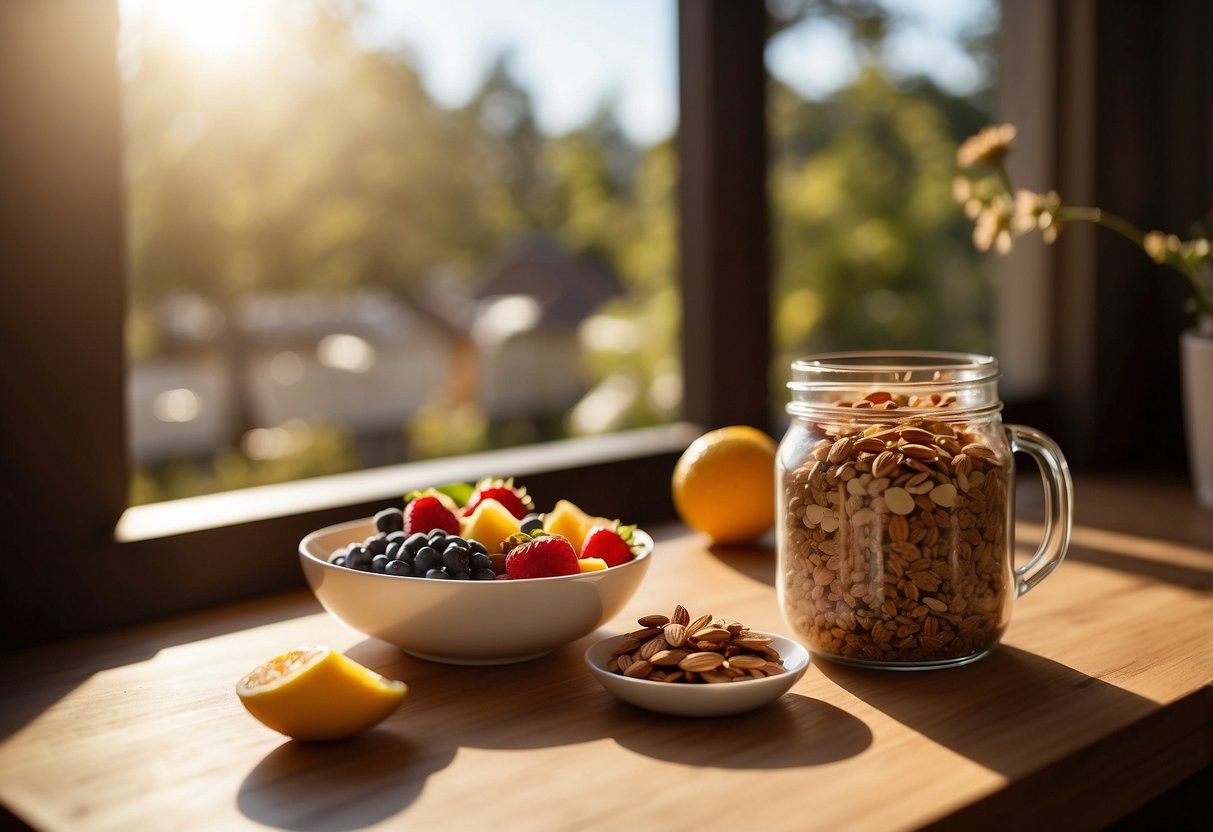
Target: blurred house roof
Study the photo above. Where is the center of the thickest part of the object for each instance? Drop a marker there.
(567, 289)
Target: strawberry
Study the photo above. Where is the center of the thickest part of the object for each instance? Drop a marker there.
(513, 497)
(611, 543)
(424, 514)
(544, 556)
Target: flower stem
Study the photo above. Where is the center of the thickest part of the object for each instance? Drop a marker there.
(1112, 222)
(1126, 229)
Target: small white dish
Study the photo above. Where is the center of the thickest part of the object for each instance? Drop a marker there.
(679, 699)
(467, 622)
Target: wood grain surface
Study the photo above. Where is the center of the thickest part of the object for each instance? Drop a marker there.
(1098, 700)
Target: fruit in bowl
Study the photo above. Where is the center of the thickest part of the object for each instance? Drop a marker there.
(417, 577)
(495, 535)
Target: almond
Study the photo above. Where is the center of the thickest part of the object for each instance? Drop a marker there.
(701, 662)
(675, 634)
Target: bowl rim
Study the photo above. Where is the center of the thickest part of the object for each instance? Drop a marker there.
(644, 539)
(799, 652)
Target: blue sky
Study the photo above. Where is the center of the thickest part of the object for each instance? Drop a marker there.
(572, 54)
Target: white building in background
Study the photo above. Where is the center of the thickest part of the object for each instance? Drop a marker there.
(368, 360)
(364, 360)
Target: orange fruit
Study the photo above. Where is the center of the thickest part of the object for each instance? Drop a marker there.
(724, 484)
(314, 693)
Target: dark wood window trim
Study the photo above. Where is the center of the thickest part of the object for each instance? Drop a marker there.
(80, 560)
(1125, 123)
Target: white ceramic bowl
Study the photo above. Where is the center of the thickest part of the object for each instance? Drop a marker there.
(700, 700)
(466, 622)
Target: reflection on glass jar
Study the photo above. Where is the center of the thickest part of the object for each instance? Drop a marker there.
(895, 504)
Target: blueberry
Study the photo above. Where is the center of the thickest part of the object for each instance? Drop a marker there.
(416, 541)
(426, 559)
(479, 560)
(456, 559)
(376, 544)
(393, 549)
(436, 534)
(338, 555)
(462, 576)
(455, 540)
(437, 573)
(389, 520)
(358, 558)
(475, 546)
(484, 575)
(532, 523)
(397, 535)
(339, 560)
(379, 563)
(398, 567)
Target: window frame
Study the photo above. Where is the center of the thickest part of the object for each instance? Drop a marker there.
(85, 562)
(63, 457)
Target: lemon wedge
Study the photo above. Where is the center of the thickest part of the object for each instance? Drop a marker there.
(315, 693)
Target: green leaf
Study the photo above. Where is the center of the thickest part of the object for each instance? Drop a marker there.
(460, 492)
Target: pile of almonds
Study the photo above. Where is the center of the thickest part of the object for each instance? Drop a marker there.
(895, 535)
(676, 649)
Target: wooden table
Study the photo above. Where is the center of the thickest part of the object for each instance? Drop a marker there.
(1099, 699)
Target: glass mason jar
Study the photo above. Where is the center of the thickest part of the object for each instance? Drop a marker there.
(895, 495)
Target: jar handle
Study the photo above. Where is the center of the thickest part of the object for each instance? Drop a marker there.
(1059, 504)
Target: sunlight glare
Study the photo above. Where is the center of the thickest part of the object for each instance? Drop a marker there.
(215, 29)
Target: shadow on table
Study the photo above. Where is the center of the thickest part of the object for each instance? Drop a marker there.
(344, 785)
(754, 560)
(979, 710)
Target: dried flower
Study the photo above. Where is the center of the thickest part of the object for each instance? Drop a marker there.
(1160, 246)
(1037, 211)
(997, 217)
(988, 147)
(993, 226)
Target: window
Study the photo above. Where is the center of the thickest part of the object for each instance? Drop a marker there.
(361, 235)
(868, 103)
(62, 363)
